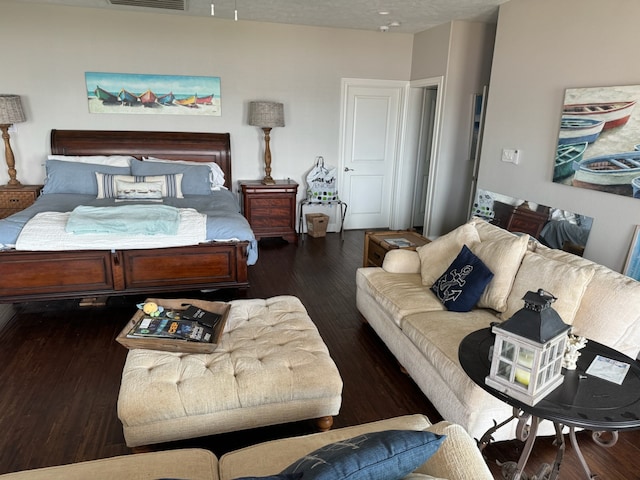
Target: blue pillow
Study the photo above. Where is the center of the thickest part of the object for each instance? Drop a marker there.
(461, 286)
(75, 177)
(391, 454)
(195, 178)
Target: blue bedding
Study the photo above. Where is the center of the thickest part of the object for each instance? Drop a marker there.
(224, 220)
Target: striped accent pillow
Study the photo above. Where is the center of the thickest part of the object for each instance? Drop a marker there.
(171, 184)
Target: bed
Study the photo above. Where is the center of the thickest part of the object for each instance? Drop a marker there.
(220, 261)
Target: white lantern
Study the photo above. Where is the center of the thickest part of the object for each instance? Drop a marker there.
(529, 347)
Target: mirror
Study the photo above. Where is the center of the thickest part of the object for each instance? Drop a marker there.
(553, 227)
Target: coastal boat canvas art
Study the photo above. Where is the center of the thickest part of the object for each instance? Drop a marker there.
(598, 139)
(153, 94)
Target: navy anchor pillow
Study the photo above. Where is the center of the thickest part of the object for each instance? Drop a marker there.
(460, 287)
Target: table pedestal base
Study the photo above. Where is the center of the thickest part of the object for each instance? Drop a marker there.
(526, 432)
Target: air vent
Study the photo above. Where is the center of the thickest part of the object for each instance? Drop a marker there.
(163, 4)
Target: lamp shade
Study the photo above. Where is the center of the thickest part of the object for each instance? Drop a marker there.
(266, 114)
(11, 110)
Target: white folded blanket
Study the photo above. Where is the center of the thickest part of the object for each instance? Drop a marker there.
(46, 231)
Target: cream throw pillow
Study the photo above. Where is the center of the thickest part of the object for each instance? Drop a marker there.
(503, 257)
(564, 281)
(170, 184)
(435, 257)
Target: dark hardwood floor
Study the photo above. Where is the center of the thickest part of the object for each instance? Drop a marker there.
(61, 369)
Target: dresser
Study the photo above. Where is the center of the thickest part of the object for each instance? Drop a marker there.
(15, 199)
(270, 209)
(521, 219)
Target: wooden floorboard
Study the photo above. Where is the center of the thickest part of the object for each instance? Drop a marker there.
(61, 369)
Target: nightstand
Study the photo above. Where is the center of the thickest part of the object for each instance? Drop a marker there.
(270, 209)
(14, 199)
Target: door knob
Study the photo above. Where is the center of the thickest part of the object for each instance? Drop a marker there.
(347, 169)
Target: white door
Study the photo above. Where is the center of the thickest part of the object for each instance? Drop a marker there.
(371, 120)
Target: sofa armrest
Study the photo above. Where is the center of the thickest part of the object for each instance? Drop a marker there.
(457, 458)
(401, 261)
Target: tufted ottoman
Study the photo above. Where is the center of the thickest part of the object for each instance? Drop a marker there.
(270, 367)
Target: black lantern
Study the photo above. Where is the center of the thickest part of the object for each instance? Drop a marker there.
(528, 350)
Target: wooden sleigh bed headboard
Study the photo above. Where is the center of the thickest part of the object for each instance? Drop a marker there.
(192, 147)
(26, 275)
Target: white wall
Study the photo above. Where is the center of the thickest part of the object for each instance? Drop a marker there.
(461, 52)
(49, 49)
(543, 47)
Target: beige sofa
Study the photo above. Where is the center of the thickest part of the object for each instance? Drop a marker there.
(424, 336)
(457, 458)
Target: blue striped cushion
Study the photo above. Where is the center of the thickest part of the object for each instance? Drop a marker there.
(107, 186)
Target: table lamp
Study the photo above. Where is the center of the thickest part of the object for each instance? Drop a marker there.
(10, 112)
(528, 350)
(266, 115)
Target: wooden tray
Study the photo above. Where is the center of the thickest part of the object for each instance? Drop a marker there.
(174, 345)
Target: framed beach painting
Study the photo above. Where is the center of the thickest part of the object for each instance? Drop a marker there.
(632, 265)
(599, 140)
(152, 94)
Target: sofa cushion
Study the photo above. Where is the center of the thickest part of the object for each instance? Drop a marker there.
(438, 335)
(456, 457)
(184, 463)
(389, 454)
(459, 288)
(608, 311)
(436, 256)
(565, 281)
(420, 476)
(503, 257)
(280, 476)
(399, 294)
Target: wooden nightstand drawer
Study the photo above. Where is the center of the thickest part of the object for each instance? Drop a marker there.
(15, 199)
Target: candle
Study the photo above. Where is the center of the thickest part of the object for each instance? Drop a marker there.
(525, 359)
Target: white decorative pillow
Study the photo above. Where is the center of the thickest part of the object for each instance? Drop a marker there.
(170, 184)
(564, 281)
(126, 190)
(111, 160)
(503, 257)
(435, 257)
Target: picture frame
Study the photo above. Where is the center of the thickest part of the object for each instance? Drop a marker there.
(598, 146)
(134, 93)
(632, 263)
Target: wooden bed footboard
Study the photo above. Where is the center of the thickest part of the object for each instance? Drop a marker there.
(72, 274)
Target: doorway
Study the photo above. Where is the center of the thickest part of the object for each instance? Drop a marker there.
(425, 111)
(425, 143)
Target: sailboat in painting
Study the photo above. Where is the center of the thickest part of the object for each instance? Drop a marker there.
(578, 130)
(611, 173)
(105, 96)
(614, 114)
(566, 155)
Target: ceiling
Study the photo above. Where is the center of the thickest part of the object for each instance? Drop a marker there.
(412, 16)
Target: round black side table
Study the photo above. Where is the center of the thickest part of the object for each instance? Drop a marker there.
(582, 400)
